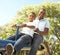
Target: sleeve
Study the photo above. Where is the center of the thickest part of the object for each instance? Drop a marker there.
(30, 24)
(34, 23)
(47, 24)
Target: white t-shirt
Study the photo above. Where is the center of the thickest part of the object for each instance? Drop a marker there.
(42, 24)
(27, 30)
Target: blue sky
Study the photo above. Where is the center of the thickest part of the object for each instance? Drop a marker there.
(9, 8)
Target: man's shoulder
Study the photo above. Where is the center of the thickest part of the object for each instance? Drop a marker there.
(47, 23)
(46, 20)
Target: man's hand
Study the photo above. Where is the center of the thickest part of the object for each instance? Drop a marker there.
(45, 32)
(37, 30)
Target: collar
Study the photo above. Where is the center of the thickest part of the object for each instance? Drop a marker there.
(42, 19)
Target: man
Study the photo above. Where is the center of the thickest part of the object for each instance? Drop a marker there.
(42, 28)
(24, 37)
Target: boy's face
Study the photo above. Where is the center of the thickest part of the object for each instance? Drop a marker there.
(31, 17)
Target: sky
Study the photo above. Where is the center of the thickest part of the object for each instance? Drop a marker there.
(9, 8)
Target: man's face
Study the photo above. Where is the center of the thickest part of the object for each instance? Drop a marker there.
(31, 17)
(41, 14)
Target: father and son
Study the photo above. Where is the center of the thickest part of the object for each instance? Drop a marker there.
(32, 32)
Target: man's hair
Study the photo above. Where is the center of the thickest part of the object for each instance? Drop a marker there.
(43, 9)
(33, 13)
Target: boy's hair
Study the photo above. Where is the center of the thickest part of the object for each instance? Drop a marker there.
(33, 13)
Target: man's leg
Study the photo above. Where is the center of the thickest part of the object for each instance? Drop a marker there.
(11, 38)
(9, 49)
(21, 42)
(36, 42)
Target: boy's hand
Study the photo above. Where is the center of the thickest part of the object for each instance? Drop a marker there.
(14, 25)
(23, 25)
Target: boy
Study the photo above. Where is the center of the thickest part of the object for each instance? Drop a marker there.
(25, 35)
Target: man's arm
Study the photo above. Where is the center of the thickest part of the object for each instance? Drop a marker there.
(45, 32)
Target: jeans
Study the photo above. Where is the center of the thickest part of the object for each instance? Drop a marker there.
(37, 40)
(14, 37)
(22, 40)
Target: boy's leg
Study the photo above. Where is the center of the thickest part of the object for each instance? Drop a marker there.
(21, 42)
(36, 41)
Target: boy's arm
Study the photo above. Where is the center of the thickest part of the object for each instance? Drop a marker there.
(24, 25)
(32, 27)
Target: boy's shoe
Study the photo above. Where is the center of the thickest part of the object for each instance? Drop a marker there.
(9, 49)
